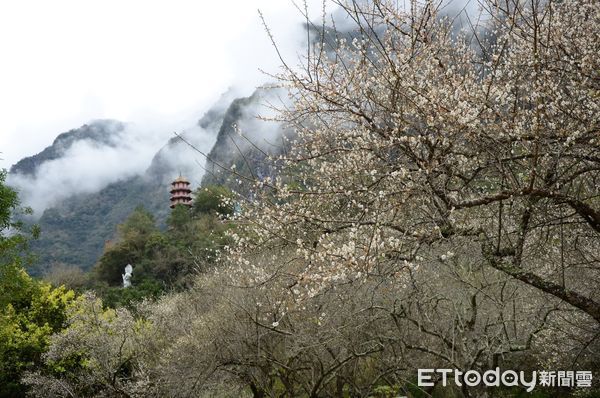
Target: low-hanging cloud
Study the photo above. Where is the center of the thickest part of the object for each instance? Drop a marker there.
(88, 166)
(259, 126)
(186, 157)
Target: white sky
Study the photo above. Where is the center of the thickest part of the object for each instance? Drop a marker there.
(66, 62)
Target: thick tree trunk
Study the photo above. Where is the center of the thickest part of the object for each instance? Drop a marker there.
(585, 304)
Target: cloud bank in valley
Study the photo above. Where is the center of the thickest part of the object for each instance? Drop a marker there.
(88, 165)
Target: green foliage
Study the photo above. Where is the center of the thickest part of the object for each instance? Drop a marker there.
(385, 392)
(162, 260)
(95, 355)
(180, 215)
(115, 297)
(213, 199)
(30, 311)
(132, 246)
(14, 236)
(138, 226)
(112, 264)
(8, 202)
(75, 231)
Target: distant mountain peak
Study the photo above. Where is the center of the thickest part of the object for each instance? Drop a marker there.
(101, 131)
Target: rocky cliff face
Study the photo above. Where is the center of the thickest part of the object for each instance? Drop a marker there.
(245, 142)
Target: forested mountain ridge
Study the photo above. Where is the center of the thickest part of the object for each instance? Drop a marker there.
(76, 230)
(98, 131)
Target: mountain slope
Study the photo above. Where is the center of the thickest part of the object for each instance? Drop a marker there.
(75, 230)
(101, 132)
(243, 141)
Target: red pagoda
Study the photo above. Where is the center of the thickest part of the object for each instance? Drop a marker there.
(181, 194)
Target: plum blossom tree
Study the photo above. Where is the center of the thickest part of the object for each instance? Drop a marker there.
(415, 139)
(460, 165)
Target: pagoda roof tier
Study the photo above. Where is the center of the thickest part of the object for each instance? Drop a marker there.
(186, 190)
(174, 197)
(179, 203)
(180, 180)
